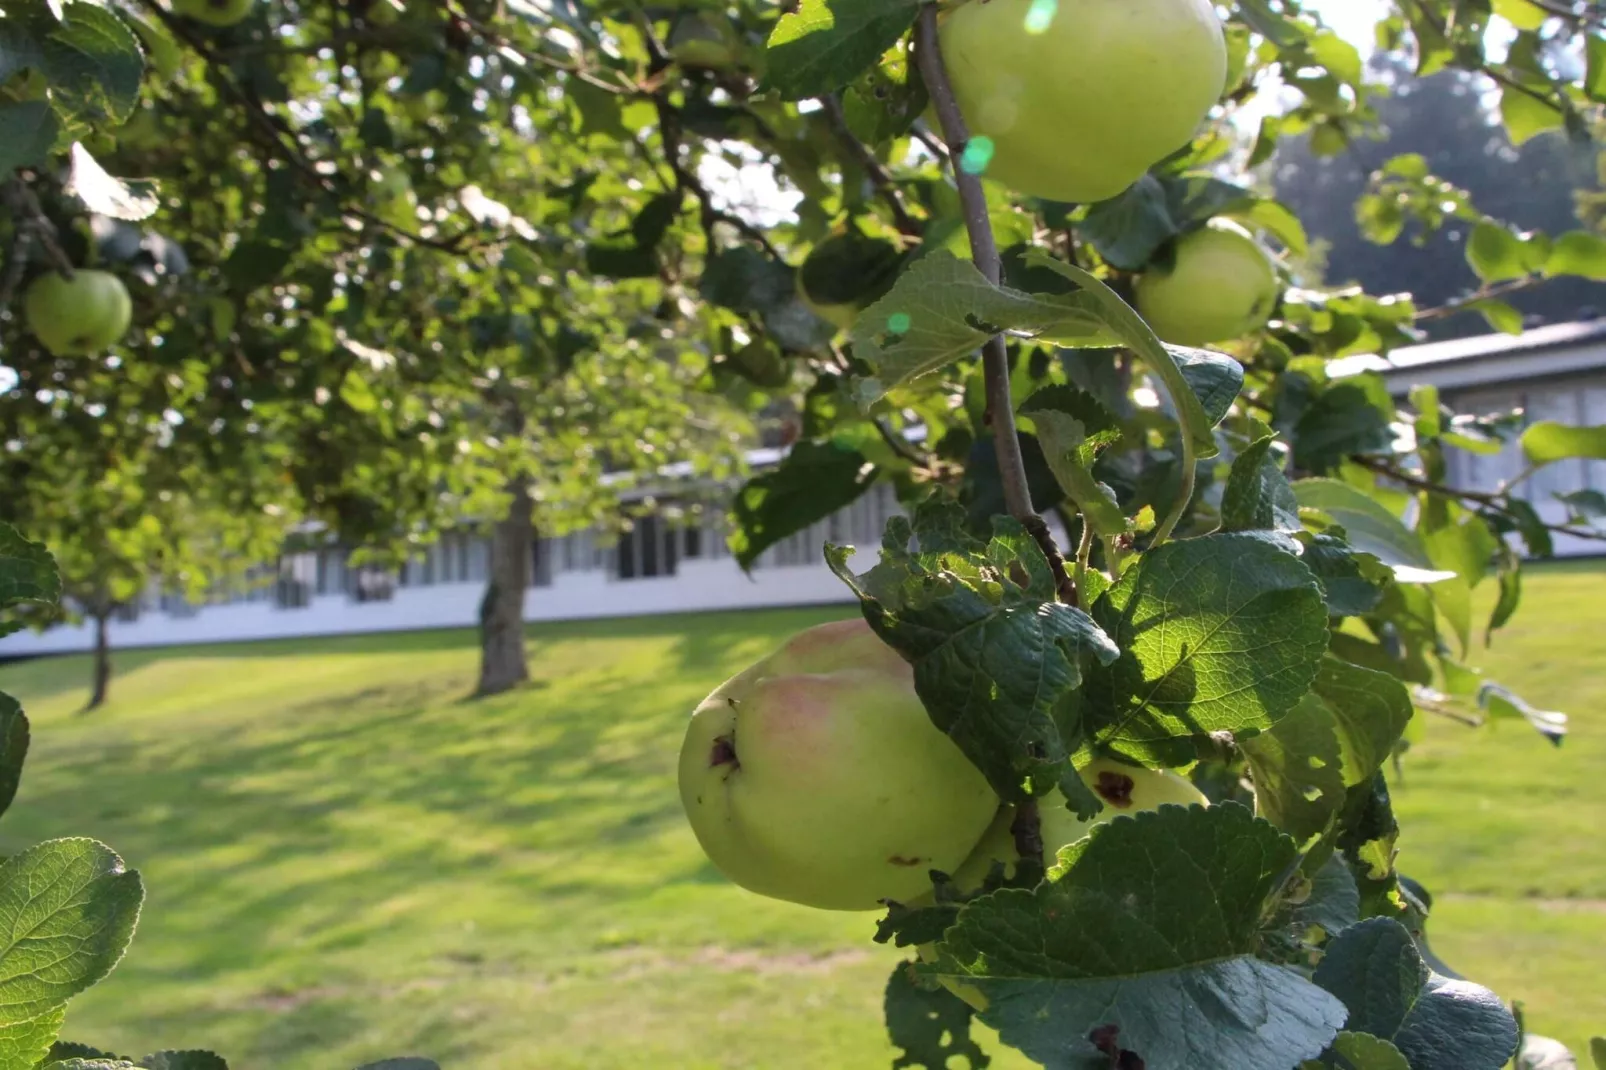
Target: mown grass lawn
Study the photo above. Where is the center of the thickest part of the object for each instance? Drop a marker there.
(346, 859)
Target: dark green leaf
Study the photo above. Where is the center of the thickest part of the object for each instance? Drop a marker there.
(930, 1026)
(183, 1060)
(13, 748)
(67, 912)
(1352, 583)
(1127, 230)
(1438, 1023)
(1074, 428)
(996, 655)
(814, 481)
(1334, 902)
(1257, 496)
(1597, 1052)
(1219, 634)
(27, 571)
(1215, 379)
(1143, 941)
(825, 44)
(886, 100)
(94, 63)
(1362, 1051)
(28, 130)
(402, 1064)
(254, 264)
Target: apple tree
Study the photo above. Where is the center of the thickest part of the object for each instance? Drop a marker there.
(1267, 576)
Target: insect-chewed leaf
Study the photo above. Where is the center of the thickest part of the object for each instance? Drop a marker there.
(825, 44)
(1143, 941)
(996, 656)
(931, 1025)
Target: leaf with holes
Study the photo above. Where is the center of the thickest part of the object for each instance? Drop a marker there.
(1297, 770)
(825, 44)
(930, 1025)
(996, 656)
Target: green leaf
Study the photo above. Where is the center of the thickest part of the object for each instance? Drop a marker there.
(1219, 634)
(1501, 703)
(402, 1064)
(942, 309)
(1352, 583)
(1275, 218)
(1258, 496)
(884, 102)
(1334, 902)
(930, 1026)
(91, 1064)
(1143, 941)
(1597, 1052)
(1215, 379)
(1499, 315)
(28, 130)
(1119, 318)
(94, 63)
(1073, 427)
(24, 1045)
(101, 193)
(995, 654)
(1578, 252)
(1362, 1051)
(814, 481)
(1297, 771)
(183, 1060)
(1369, 526)
(67, 912)
(27, 571)
(1438, 1023)
(825, 44)
(1371, 711)
(1548, 442)
(1460, 542)
(1527, 116)
(745, 280)
(1129, 229)
(254, 263)
(1495, 253)
(13, 748)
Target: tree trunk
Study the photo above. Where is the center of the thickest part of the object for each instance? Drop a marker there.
(502, 662)
(103, 662)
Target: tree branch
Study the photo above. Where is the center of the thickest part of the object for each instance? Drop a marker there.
(879, 175)
(1493, 500)
(31, 225)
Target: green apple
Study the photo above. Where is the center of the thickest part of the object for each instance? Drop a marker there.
(816, 776)
(1221, 286)
(1078, 99)
(845, 274)
(77, 316)
(1124, 789)
(215, 12)
(694, 41)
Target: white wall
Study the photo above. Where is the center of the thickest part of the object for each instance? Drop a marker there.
(699, 585)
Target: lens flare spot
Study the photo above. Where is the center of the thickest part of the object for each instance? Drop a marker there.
(977, 155)
(1040, 16)
(899, 323)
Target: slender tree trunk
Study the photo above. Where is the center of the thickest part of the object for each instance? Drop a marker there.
(103, 662)
(502, 661)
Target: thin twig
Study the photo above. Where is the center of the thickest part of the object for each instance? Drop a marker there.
(1491, 292)
(29, 218)
(880, 177)
(1493, 500)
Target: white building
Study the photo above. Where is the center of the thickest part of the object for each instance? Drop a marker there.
(1555, 373)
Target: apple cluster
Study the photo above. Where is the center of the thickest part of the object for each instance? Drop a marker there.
(816, 776)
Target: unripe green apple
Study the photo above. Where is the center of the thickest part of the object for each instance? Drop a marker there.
(1124, 789)
(84, 314)
(1221, 286)
(816, 776)
(845, 274)
(215, 12)
(698, 42)
(1080, 98)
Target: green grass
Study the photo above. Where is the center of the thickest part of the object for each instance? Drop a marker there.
(346, 859)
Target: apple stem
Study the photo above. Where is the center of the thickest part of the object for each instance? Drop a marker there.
(984, 251)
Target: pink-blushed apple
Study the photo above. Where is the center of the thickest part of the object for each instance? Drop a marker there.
(816, 776)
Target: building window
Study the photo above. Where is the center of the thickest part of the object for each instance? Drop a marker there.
(371, 585)
(649, 550)
(694, 541)
(541, 562)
